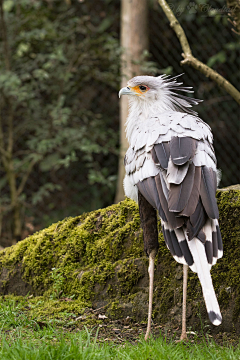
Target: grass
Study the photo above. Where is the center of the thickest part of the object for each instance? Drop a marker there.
(25, 337)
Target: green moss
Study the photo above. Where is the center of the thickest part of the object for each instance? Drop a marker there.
(82, 249)
(99, 260)
(114, 310)
(42, 308)
(128, 276)
(226, 273)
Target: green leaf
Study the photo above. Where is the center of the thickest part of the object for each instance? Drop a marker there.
(22, 49)
(8, 5)
(105, 24)
(217, 58)
(44, 191)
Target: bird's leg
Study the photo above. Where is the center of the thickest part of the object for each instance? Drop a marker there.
(151, 278)
(148, 218)
(184, 305)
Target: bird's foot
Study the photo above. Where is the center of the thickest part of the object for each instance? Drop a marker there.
(183, 336)
(148, 332)
(147, 335)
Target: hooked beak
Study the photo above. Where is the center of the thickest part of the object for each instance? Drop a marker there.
(125, 91)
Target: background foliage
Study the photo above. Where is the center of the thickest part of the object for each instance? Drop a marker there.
(62, 89)
(59, 79)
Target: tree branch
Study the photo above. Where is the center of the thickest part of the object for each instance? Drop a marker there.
(4, 154)
(234, 7)
(191, 60)
(10, 129)
(5, 39)
(26, 176)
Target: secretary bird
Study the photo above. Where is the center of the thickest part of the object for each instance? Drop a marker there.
(171, 167)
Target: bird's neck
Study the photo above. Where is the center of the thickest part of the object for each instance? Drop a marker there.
(140, 111)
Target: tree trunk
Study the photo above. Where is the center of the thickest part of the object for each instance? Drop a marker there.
(16, 208)
(134, 40)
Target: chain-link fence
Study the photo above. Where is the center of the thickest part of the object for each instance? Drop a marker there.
(213, 42)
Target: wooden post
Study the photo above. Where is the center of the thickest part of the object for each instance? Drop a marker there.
(134, 40)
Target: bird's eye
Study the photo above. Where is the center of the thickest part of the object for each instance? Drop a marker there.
(142, 88)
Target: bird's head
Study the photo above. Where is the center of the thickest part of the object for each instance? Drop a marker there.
(159, 90)
(142, 87)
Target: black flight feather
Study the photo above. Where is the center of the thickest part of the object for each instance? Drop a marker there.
(209, 251)
(182, 149)
(215, 244)
(186, 252)
(219, 238)
(196, 221)
(207, 193)
(201, 236)
(167, 236)
(175, 244)
(180, 194)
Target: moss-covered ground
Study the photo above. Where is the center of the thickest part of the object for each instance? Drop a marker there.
(94, 264)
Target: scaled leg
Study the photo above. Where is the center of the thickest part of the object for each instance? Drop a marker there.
(184, 305)
(148, 218)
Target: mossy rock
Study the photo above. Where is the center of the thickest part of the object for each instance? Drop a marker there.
(98, 259)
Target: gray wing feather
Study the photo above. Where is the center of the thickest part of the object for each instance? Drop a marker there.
(148, 189)
(208, 191)
(162, 152)
(145, 193)
(151, 185)
(154, 156)
(172, 219)
(176, 174)
(194, 197)
(182, 149)
(162, 175)
(179, 194)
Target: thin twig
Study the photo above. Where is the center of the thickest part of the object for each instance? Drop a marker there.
(26, 176)
(234, 8)
(5, 39)
(189, 59)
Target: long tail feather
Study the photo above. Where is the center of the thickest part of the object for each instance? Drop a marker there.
(199, 255)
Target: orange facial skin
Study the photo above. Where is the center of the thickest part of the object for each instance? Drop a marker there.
(137, 90)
